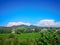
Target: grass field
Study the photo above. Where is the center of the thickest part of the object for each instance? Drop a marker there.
(23, 35)
(35, 38)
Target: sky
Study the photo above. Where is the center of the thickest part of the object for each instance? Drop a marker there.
(29, 11)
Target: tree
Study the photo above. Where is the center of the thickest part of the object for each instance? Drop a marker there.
(37, 29)
(20, 30)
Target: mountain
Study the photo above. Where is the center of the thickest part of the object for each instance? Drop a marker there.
(18, 26)
(24, 26)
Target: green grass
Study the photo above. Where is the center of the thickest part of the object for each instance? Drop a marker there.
(23, 35)
(35, 38)
(28, 35)
(23, 39)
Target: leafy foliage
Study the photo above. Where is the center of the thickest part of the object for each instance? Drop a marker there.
(29, 36)
(38, 38)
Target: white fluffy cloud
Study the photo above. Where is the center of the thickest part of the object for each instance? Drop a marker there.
(42, 23)
(48, 23)
(17, 23)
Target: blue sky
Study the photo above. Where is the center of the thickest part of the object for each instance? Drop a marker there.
(28, 11)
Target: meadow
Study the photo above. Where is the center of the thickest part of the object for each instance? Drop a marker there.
(34, 38)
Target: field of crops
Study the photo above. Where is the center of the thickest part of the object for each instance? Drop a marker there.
(37, 38)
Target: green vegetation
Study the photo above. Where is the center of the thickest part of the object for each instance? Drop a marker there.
(35, 38)
(29, 36)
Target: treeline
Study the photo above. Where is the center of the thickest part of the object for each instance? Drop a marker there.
(5, 30)
(18, 30)
(25, 29)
